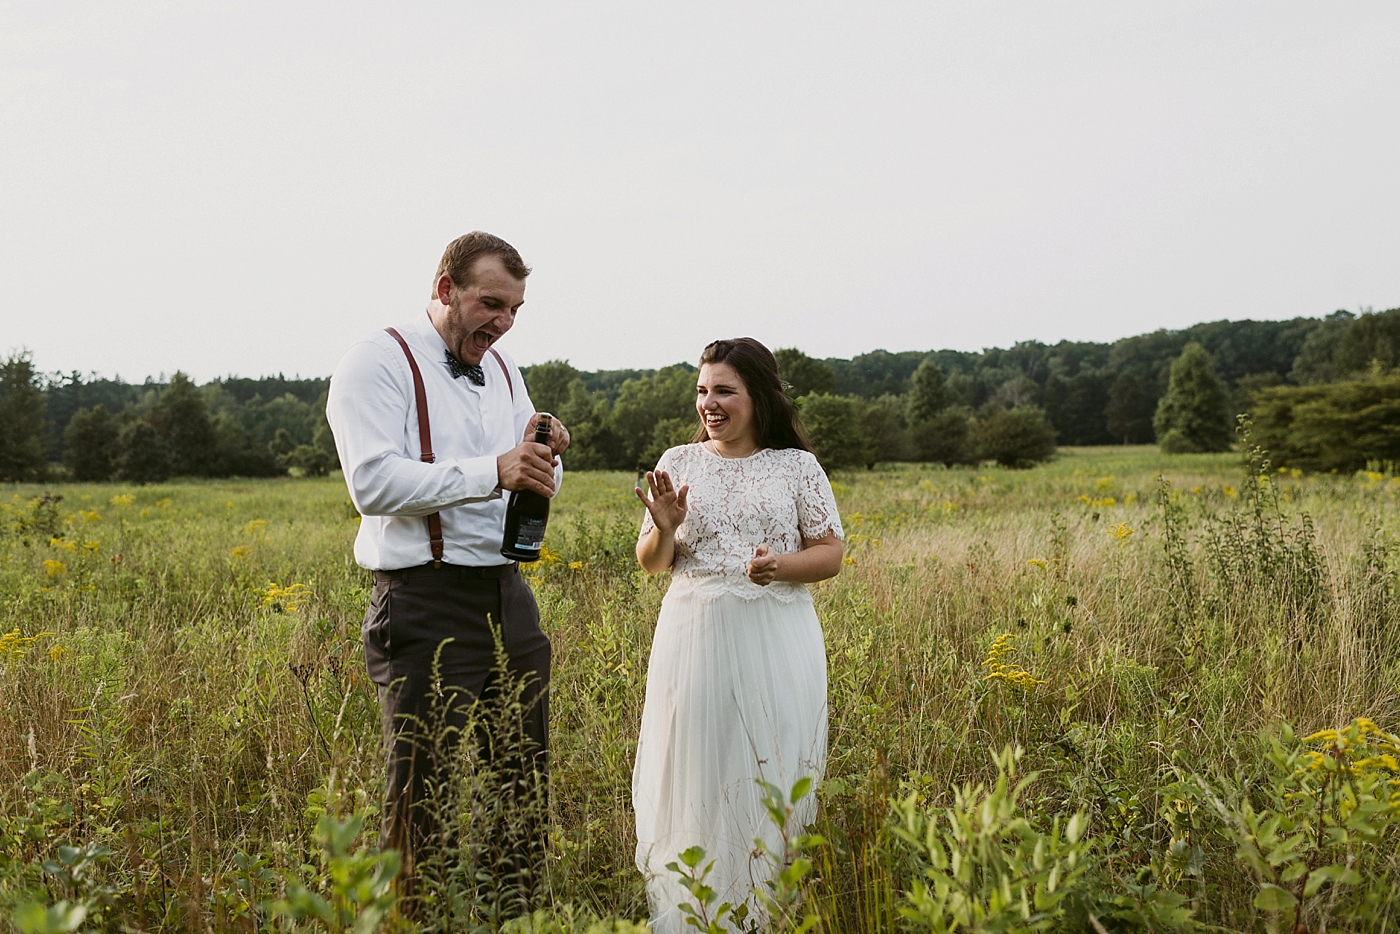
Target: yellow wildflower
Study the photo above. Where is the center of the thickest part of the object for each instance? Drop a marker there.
(1120, 532)
(122, 500)
(242, 551)
(575, 565)
(997, 670)
(287, 599)
(1230, 491)
(54, 568)
(58, 653)
(1359, 747)
(13, 645)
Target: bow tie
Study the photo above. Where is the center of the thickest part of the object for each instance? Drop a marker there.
(471, 371)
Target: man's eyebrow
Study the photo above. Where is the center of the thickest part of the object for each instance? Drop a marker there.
(498, 296)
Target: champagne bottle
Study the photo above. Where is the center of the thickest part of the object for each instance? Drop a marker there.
(527, 513)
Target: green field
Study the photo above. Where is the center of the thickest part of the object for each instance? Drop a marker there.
(182, 684)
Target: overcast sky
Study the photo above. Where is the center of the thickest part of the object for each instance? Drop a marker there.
(247, 187)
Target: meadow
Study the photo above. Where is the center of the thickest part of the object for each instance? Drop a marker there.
(1161, 643)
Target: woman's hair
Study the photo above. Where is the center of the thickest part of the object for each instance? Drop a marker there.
(776, 422)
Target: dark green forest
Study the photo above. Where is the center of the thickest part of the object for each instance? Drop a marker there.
(97, 428)
(1011, 405)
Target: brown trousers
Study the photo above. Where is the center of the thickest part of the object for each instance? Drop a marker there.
(430, 646)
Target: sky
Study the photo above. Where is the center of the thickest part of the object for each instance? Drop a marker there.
(247, 188)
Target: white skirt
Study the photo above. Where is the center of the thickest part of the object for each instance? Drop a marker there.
(736, 691)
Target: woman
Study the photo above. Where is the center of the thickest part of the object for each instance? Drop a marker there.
(736, 686)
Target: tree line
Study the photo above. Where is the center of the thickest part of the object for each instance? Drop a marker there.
(1009, 405)
(1338, 410)
(96, 429)
(1320, 391)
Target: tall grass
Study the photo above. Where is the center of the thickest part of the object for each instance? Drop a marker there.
(172, 695)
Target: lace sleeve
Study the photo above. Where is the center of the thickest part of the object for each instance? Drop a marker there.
(816, 504)
(665, 462)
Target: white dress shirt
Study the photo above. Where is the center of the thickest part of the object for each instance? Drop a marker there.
(375, 423)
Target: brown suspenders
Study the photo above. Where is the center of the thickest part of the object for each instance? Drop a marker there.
(425, 434)
(509, 384)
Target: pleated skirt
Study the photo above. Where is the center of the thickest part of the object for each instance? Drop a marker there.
(736, 692)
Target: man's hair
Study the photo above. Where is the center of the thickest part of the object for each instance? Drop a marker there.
(776, 422)
(457, 259)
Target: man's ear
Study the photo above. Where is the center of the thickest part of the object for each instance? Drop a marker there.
(445, 285)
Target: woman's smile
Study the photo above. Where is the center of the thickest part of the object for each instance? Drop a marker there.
(725, 407)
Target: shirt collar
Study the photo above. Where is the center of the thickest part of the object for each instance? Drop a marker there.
(422, 325)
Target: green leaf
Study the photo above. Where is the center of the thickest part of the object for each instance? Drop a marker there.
(1283, 852)
(801, 788)
(1337, 875)
(1273, 898)
(1076, 827)
(34, 918)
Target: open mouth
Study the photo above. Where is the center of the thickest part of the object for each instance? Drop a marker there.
(715, 421)
(481, 341)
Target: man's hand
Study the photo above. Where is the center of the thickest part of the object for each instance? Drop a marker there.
(527, 466)
(558, 434)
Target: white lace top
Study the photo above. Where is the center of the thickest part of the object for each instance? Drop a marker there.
(772, 497)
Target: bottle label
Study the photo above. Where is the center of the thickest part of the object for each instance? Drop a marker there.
(531, 534)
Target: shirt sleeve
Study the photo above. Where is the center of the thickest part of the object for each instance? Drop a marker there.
(665, 462)
(371, 398)
(816, 504)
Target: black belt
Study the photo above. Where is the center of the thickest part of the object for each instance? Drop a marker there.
(450, 571)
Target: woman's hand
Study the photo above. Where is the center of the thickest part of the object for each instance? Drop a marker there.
(667, 504)
(819, 559)
(763, 566)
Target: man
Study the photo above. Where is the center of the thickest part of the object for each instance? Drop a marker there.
(431, 531)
